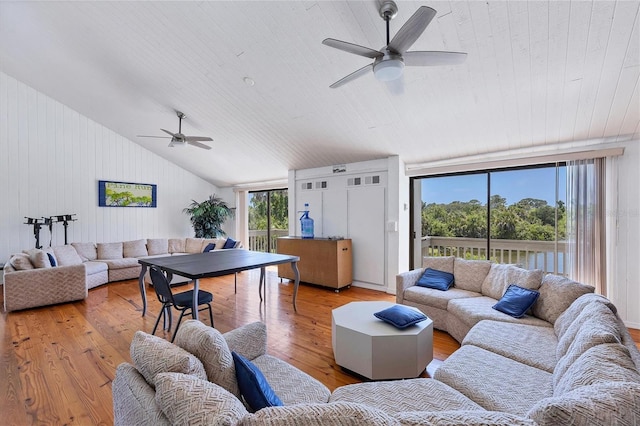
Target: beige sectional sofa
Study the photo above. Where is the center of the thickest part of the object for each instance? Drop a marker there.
(30, 280)
(570, 362)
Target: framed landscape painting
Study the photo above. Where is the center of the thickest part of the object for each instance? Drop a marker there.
(126, 194)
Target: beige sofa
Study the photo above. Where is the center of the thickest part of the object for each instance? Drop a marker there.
(31, 281)
(581, 370)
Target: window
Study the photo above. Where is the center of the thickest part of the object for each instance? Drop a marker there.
(508, 216)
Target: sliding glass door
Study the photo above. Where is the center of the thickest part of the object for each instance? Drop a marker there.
(268, 219)
(508, 216)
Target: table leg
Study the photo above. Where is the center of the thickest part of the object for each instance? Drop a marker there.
(294, 266)
(262, 280)
(194, 309)
(143, 293)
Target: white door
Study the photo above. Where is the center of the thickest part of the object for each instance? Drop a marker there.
(367, 232)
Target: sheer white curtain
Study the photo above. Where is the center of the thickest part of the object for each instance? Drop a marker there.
(586, 223)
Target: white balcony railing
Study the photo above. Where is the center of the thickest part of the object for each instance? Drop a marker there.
(528, 254)
(258, 239)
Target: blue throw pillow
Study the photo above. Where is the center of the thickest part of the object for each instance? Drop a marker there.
(400, 316)
(254, 388)
(230, 243)
(209, 247)
(432, 278)
(52, 259)
(516, 301)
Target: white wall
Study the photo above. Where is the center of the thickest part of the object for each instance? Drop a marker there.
(51, 159)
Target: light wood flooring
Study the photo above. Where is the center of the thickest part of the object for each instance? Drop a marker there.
(57, 363)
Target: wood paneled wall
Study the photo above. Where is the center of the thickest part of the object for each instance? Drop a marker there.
(51, 159)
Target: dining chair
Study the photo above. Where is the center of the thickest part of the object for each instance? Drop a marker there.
(181, 301)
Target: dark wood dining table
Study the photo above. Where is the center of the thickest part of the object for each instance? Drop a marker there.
(214, 264)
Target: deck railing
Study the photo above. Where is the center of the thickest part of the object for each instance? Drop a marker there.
(258, 239)
(528, 254)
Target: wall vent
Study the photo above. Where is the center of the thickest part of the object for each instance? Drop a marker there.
(321, 184)
(307, 185)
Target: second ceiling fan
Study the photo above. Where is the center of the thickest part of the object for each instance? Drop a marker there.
(389, 62)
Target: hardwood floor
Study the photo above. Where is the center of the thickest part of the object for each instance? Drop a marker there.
(57, 362)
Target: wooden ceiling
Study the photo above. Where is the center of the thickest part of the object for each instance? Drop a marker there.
(537, 73)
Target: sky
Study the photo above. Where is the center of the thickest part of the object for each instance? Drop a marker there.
(513, 185)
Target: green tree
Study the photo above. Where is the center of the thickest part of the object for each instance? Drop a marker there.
(208, 216)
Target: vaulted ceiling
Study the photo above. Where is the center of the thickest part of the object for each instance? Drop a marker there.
(537, 73)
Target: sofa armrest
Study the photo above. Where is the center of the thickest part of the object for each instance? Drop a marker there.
(44, 286)
(249, 340)
(134, 400)
(406, 280)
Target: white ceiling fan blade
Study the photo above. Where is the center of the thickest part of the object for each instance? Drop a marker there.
(356, 74)
(417, 58)
(198, 144)
(169, 133)
(411, 30)
(198, 138)
(356, 49)
(157, 137)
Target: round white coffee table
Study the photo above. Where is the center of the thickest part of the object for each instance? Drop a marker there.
(374, 349)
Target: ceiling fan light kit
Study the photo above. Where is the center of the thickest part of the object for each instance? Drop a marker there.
(388, 69)
(389, 62)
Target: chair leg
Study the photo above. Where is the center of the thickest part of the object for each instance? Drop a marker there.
(210, 314)
(178, 325)
(162, 314)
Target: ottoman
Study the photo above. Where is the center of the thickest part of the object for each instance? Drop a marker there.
(374, 349)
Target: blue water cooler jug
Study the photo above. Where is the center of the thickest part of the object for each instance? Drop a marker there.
(306, 223)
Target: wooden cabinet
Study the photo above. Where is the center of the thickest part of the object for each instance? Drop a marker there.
(322, 261)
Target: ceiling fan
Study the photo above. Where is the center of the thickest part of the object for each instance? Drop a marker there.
(178, 139)
(389, 62)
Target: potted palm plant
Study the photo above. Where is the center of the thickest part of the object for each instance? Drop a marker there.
(208, 216)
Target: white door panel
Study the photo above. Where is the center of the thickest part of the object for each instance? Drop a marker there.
(366, 220)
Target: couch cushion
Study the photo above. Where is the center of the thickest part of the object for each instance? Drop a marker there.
(152, 355)
(441, 263)
(564, 321)
(66, 255)
(557, 293)
(436, 298)
(602, 404)
(157, 246)
(334, 414)
(38, 258)
(176, 245)
(21, 262)
(95, 267)
(211, 348)
(516, 301)
(126, 262)
(292, 385)
(475, 309)
(461, 417)
(470, 274)
(87, 251)
(493, 381)
(193, 245)
(208, 247)
(433, 278)
(108, 251)
(609, 362)
(137, 248)
(187, 400)
(596, 324)
(500, 276)
(528, 344)
(254, 387)
(229, 243)
(405, 395)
